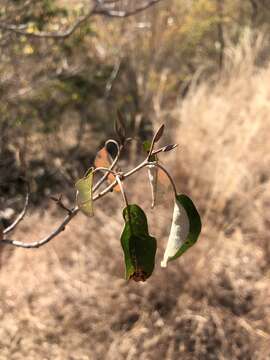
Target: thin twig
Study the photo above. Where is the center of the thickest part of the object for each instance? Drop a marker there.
(21, 215)
(124, 176)
(37, 244)
(97, 9)
(105, 176)
(60, 203)
(118, 179)
(167, 173)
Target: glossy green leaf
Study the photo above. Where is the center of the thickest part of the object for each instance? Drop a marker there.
(138, 246)
(185, 229)
(84, 193)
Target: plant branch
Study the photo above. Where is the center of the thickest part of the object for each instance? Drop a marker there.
(72, 213)
(124, 14)
(37, 244)
(119, 181)
(21, 215)
(167, 173)
(108, 170)
(60, 203)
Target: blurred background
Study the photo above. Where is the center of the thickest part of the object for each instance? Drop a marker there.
(201, 67)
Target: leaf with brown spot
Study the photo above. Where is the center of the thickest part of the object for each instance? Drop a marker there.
(139, 247)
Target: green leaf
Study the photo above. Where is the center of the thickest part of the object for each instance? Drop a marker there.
(185, 229)
(138, 246)
(84, 193)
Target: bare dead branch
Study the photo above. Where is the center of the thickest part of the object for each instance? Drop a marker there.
(100, 8)
(72, 213)
(21, 215)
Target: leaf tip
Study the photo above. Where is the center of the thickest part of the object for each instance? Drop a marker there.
(163, 263)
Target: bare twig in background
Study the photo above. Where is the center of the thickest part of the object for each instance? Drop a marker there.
(156, 137)
(73, 212)
(112, 78)
(45, 240)
(103, 8)
(21, 215)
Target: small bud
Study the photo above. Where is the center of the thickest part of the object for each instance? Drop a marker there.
(159, 134)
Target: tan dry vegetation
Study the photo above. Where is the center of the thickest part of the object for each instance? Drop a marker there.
(68, 300)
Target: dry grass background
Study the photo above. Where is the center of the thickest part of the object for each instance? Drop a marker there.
(68, 300)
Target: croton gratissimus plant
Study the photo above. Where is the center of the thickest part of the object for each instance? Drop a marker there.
(139, 247)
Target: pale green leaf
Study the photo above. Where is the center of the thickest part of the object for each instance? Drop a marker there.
(84, 194)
